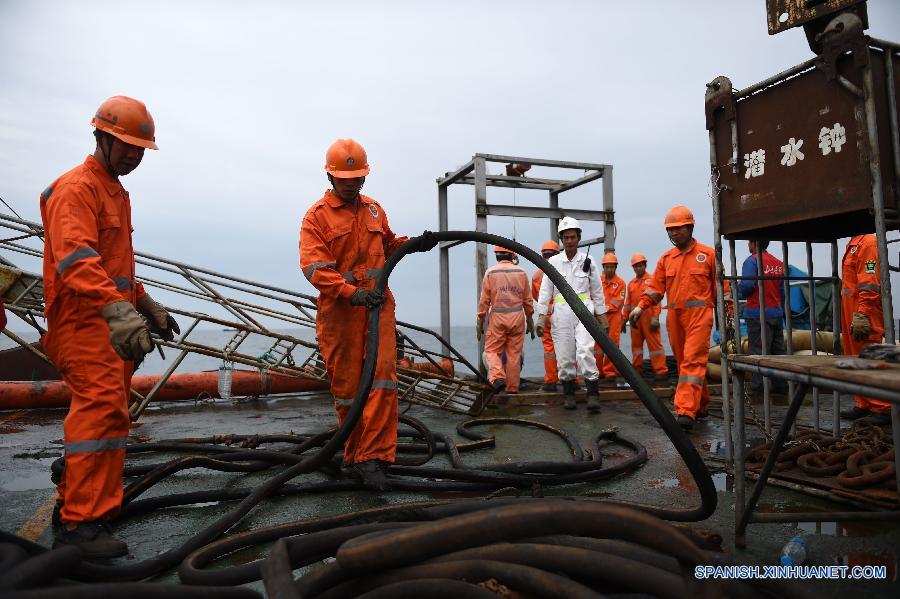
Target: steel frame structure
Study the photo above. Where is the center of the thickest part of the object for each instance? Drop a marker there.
(474, 173)
(250, 305)
(733, 368)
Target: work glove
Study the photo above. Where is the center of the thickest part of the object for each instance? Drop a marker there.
(860, 326)
(654, 323)
(128, 332)
(366, 297)
(635, 314)
(161, 322)
(479, 328)
(529, 325)
(624, 325)
(541, 325)
(427, 241)
(603, 322)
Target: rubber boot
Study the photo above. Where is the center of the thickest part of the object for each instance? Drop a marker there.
(93, 539)
(372, 475)
(685, 422)
(593, 395)
(568, 394)
(854, 413)
(499, 385)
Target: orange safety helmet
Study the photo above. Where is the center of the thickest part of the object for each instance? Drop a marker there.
(128, 120)
(497, 249)
(637, 258)
(550, 246)
(679, 216)
(346, 159)
(609, 258)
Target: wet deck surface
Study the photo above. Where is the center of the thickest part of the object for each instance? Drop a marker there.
(30, 441)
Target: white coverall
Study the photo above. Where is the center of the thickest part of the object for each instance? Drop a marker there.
(571, 339)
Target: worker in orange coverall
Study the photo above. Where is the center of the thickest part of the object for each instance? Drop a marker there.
(505, 291)
(647, 328)
(95, 335)
(614, 291)
(551, 374)
(344, 242)
(686, 276)
(862, 316)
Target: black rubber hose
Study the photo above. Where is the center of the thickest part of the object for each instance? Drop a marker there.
(136, 590)
(433, 588)
(527, 581)
(10, 555)
(43, 569)
(687, 451)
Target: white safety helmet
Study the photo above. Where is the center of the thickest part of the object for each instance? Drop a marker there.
(568, 223)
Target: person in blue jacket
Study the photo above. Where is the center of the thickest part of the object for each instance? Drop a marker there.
(773, 291)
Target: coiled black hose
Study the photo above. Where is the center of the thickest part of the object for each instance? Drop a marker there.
(660, 413)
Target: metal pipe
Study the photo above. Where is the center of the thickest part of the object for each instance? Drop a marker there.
(878, 205)
(788, 317)
(812, 380)
(737, 380)
(554, 222)
(480, 248)
(588, 166)
(734, 297)
(444, 260)
(763, 336)
(849, 86)
(609, 226)
(884, 44)
(813, 328)
(836, 336)
(795, 70)
(721, 312)
(769, 517)
(777, 443)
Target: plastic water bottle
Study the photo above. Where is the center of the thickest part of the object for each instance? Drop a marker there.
(794, 553)
(225, 380)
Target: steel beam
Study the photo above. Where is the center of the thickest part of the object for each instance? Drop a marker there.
(538, 212)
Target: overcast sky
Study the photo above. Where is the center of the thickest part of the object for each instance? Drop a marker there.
(248, 95)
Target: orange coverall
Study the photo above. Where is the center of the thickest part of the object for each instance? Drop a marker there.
(88, 264)
(861, 292)
(614, 292)
(687, 279)
(551, 374)
(342, 249)
(642, 332)
(505, 291)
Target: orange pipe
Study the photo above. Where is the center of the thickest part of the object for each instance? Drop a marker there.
(446, 366)
(17, 395)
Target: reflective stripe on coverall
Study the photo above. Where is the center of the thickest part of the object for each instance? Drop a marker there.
(642, 332)
(505, 291)
(571, 341)
(687, 279)
(341, 250)
(551, 374)
(614, 292)
(88, 264)
(861, 292)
